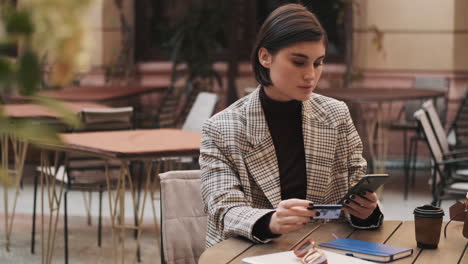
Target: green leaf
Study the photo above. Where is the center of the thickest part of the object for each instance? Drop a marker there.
(19, 22)
(29, 73)
(66, 116)
(35, 131)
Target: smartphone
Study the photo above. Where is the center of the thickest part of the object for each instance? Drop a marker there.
(370, 182)
(327, 211)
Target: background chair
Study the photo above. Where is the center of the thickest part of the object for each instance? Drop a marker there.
(407, 123)
(202, 109)
(441, 138)
(85, 173)
(458, 132)
(183, 218)
(440, 134)
(168, 111)
(448, 182)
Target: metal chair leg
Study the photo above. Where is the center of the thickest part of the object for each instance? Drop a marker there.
(65, 225)
(33, 232)
(414, 160)
(139, 187)
(406, 162)
(100, 217)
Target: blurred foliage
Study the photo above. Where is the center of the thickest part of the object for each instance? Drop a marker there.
(60, 34)
(36, 29)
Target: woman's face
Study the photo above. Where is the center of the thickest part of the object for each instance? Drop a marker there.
(294, 70)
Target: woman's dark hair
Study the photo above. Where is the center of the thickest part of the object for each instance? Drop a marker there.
(286, 25)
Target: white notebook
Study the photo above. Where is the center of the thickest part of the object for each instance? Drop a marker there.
(288, 257)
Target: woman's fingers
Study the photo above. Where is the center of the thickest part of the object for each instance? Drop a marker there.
(290, 203)
(362, 205)
(295, 207)
(291, 220)
(291, 215)
(354, 212)
(370, 196)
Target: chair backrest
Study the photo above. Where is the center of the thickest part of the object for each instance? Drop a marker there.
(430, 137)
(101, 119)
(432, 83)
(201, 110)
(169, 108)
(459, 127)
(183, 218)
(85, 169)
(439, 131)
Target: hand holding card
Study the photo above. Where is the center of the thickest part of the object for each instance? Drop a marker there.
(327, 211)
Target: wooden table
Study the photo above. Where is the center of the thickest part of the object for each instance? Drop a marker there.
(18, 149)
(39, 111)
(452, 249)
(104, 93)
(128, 145)
(113, 95)
(379, 94)
(376, 149)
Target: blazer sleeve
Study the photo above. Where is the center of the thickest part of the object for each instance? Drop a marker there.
(357, 167)
(221, 188)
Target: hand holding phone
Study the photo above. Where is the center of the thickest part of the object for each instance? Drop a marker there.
(370, 182)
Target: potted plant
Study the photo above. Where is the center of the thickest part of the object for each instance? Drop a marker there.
(193, 41)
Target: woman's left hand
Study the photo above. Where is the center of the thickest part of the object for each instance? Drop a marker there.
(362, 205)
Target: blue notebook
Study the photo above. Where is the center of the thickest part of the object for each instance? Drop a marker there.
(367, 250)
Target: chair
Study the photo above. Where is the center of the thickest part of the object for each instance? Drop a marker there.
(409, 124)
(85, 173)
(439, 132)
(441, 137)
(202, 109)
(168, 111)
(104, 119)
(458, 132)
(448, 182)
(183, 218)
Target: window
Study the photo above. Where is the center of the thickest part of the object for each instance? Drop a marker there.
(329, 13)
(155, 20)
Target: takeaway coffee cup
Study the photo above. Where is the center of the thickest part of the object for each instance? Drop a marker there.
(428, 223)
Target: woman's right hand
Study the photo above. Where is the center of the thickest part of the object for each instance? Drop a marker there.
(291, 215)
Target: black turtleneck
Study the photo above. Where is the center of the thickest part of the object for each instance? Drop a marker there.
(284, 121)
(285, 124)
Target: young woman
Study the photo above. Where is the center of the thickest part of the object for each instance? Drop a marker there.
(273, 154)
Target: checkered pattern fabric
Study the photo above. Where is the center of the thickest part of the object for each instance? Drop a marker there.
(240, 175)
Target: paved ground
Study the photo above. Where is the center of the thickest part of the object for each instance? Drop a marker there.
(83, 238)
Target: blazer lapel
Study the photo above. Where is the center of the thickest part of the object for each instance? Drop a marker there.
(319, 145)
(260, 158)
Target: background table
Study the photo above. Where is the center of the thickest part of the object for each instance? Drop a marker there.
(39, 111)
(105, 93)
(113, 95)
(128, 145)
(11, 145)
(451, 249)
(376, 149)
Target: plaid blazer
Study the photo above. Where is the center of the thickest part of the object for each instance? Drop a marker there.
(239, 169)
